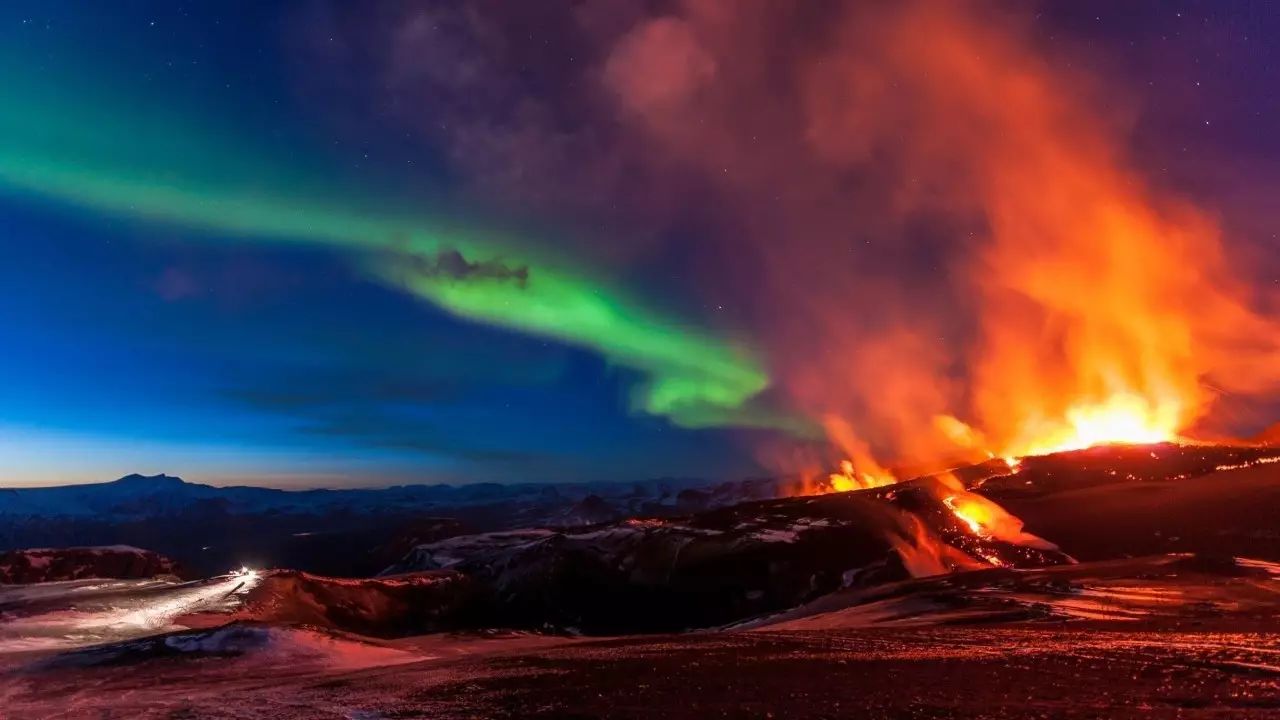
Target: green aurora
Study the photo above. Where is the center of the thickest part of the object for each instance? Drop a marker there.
(108, 155)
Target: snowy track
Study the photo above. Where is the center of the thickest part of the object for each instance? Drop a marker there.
(86, 612)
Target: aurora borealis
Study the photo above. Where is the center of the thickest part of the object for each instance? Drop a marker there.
(177, 173)
(147, 169)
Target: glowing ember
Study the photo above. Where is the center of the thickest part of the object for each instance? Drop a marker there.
(1238, 466)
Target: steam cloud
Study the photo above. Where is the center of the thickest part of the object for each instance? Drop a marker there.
(452, 264)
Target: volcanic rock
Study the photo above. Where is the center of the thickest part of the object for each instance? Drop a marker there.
(1110, 502)
(409, 604)
(36, 565)
(647, 575)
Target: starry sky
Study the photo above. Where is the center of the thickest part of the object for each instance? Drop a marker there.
(313, 243)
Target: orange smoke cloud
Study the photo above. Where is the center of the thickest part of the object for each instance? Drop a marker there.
(1103, 308)
(953, 255)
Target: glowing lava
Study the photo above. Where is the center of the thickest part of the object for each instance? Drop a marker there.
(851, 478)
(1124, 419)
(965, 513)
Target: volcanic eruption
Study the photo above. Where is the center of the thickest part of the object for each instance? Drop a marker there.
(1082, 304)
(1089, 306)
(516, 304)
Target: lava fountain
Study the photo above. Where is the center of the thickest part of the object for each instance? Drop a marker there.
(1104, 310)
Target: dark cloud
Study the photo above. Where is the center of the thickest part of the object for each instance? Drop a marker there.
(452, 264)
(510, 97)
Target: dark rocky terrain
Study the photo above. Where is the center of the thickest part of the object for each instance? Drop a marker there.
(1158, 638)
(349, 533)
(914, 600)
(399, 606)
(716, 567)
(41, 565)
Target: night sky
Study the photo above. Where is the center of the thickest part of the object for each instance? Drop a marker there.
(339, 244)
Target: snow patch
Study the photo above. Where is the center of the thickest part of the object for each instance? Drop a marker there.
(775, 535)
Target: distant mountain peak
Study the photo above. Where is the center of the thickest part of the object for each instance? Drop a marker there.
(154, 480)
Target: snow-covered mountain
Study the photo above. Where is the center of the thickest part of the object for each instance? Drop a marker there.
(343, 532)
(143, 496)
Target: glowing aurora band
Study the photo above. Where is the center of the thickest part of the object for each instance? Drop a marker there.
(97, 154)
